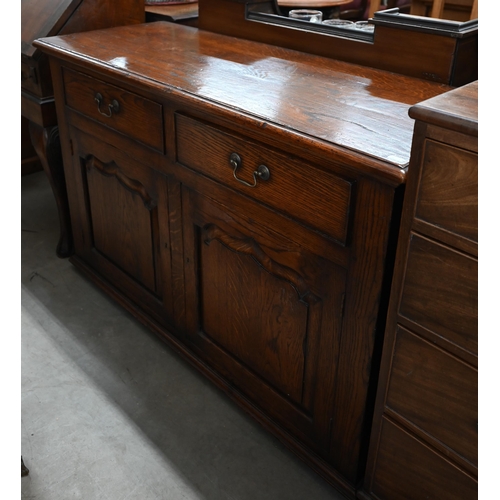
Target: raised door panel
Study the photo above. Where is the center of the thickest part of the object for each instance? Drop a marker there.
(262, 310)
(270, 324)
(121, 210)
(124, 219)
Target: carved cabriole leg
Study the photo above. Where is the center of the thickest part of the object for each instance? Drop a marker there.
(47, 145)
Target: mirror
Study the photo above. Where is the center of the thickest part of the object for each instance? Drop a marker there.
(358, 10)
(357, 19)
(438, 50)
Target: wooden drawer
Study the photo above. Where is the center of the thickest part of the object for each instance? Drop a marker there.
(407, 469)
(447, 194)
(321, 201)
(436, 392)
(137, 117)
(440, 292)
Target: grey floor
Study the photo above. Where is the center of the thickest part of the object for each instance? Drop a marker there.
(109, 412)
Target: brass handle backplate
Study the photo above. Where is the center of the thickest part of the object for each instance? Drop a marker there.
(262, 171)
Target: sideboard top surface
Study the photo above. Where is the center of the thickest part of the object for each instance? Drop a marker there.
(341, 104)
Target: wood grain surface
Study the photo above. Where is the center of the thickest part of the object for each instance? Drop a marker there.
(456, 110)
(354, 107)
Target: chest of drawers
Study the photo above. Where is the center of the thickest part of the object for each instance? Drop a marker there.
(243, 217)
(424, 443)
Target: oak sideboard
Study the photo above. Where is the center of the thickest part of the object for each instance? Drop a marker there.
(243, 200)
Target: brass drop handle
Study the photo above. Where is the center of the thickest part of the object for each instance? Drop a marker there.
(262, 171)
(114, 107)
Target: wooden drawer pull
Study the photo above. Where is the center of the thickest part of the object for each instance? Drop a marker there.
(114, 107)
(262, 171)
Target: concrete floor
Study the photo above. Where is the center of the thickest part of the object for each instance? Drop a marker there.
(109, 412)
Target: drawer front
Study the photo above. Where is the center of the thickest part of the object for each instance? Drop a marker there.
(123, 111)
(440, 292)
(407, 469)
(447, 194)
(436, 392)
(320, 201)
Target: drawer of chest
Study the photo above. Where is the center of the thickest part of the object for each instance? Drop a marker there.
(311, 196)
(447, 195)
(408, 469)
(440, 292)
(133, 115)
(436, 392)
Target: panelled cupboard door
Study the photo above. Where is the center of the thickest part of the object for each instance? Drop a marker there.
(122, 215)
(265, 311)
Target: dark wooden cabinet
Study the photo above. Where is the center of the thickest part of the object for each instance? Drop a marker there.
(424, 442)
(46, 18)
(253, 234)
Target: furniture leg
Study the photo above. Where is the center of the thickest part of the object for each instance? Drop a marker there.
(24, 470)
(47, 145)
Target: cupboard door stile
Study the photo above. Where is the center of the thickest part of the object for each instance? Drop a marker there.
(175, 254)
(367, 288)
